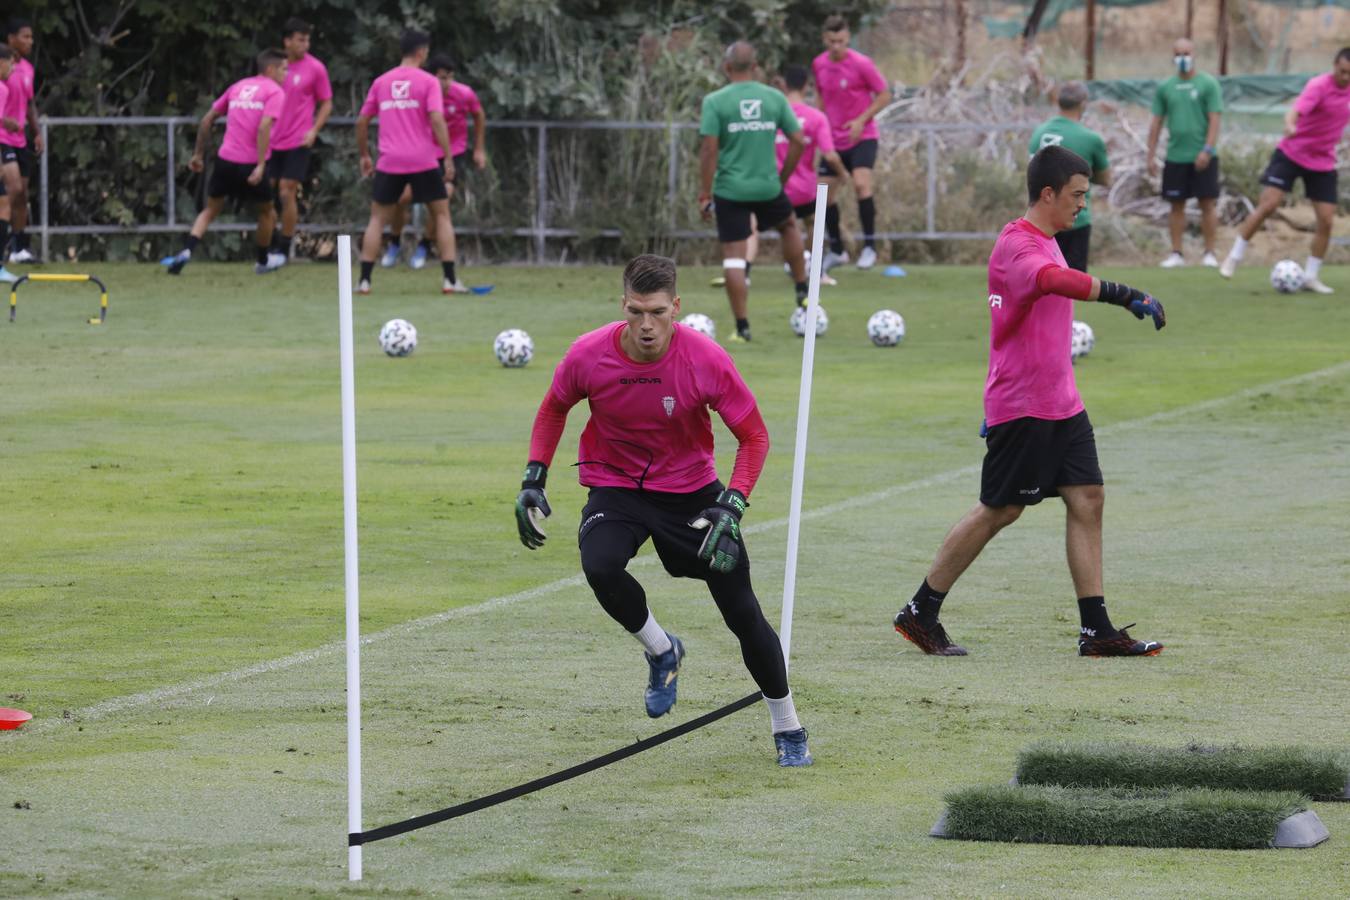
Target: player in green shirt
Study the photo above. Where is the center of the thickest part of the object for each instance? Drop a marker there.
(1190, 103)
(740, 179)
(1068, 131)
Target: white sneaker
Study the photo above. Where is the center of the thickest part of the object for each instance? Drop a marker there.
(390, 257)
(1209, 260)
(276, 260)
(1229, 267)
(826, 279)
(453, 287)
(833, 259)
(363, 286)
(1316, 285)
(867, 258)
(21, 256)
(1174, 261)
(7, 277)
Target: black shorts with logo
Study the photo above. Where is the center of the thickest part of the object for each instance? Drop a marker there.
(230, 179)
(1181, 181)
(21, 155)
(662, 516)
(1074, 245)
(733, 216)
(1029, 459)
(427, 185)
(862, 155)
(1282, 172)
(289, 165)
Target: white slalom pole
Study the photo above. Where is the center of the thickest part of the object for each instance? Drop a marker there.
(349, 535)
(803, 420)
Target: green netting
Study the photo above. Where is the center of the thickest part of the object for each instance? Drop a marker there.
(1241, 93)
(1007, 28)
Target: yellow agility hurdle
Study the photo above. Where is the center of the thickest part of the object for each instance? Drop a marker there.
(102, 300)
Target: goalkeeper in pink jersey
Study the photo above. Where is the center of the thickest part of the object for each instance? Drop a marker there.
(1038, 437)
(646, 455)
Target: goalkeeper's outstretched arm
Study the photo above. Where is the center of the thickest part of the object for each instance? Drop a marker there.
(531, 503)
(1066, 282)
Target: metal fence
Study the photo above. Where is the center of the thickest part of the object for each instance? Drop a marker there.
(544, 222)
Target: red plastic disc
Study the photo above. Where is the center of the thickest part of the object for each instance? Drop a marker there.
(12, 718)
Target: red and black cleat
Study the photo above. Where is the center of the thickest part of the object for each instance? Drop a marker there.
(1119, 644)
(930, 637)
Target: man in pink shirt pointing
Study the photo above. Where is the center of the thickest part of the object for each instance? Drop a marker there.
(309, 102)
(1040, 442)
(1312, 129)
(251, 107)
(647, 456)
(408, 103)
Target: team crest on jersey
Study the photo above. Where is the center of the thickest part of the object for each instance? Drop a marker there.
(843, 82)
(247, 92)
(296, 79)
(669, 404)
(400, 90)
(750, 109)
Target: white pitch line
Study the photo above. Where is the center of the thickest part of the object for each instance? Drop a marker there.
(174, 692)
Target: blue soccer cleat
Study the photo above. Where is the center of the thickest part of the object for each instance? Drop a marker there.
(665, 673)
(390, 258)
(175, 263)
(792, 749)
(418, 260)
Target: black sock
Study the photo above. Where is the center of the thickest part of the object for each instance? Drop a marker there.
(395, 239)
(742, 324)
(748, 264)
(366, 269)
(448, 270)
(22, 238)
(263, 250)
(4, 234)
(802, 290)
(282, 243)
(927, 602)
(1095, 621)
(832, 228)
(867, 213)
(425, 244)
(191, 242)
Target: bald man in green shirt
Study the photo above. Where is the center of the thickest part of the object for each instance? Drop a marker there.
(1068, 131)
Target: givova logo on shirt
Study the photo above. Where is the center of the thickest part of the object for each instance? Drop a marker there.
(751, 110)
(244, 99)
(401, 94)
(1051, 140)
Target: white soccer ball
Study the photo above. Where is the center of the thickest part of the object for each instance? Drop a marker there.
(1286, 276)
(1083, 340)
(798, 321)
(886, 328)
(398, 337)
(700, 323)
(514, 348)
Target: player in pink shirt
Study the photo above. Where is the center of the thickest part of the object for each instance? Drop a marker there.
(647, 456)
(10, 125)
(309, 102)
(1040, 442)
(251, 108)
(408, 103)
(1312, 129)
(801, 184)
(461, 103)
(852, 92)
(15, 155)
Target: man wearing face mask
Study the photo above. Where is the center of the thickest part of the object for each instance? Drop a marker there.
(1190, 102)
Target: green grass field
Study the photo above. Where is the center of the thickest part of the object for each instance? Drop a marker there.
(171, 605)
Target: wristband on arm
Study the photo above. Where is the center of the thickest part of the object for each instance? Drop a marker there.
(1133, 299)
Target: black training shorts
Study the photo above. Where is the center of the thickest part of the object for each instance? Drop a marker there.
(664, 517)
(1282, 171)
(230, 179)
(1030, 459)
(733, 216)
(1074, 245)
(426, 186)
(804, 210)
(862, 155)
(1181, 181)
(289, 165)
(21, 155)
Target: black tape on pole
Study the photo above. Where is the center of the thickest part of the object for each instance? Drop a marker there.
(529, 787)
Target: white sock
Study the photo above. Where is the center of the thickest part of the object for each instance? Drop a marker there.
(782, 714)
(1313, 268)
(653, 637)
(1239, 248)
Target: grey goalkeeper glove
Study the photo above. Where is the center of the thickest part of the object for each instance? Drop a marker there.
(532, 506)
(722, 546)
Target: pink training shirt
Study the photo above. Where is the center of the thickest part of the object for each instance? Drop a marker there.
(1323, 111)
(306, 87)
(1030, 370)
(801, 184)
(20, 86)
(460, 103)
(403, 99)
(244, 104)
(846, 89)
(4, 101)
(650, 417)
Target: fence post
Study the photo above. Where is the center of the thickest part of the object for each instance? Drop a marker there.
(672, 170)
(541, 198)
(46, 226)
(930, 218)
(170, 183)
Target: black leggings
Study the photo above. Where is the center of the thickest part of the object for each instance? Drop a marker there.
(605, 552)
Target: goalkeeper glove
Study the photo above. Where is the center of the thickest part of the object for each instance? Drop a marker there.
(721, 548)
(1133, 299)
(532, 506)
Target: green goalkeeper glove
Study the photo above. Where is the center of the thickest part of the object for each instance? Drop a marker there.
(722, 546)
(532, 506)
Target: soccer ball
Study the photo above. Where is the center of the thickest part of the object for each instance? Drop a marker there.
(700, 323)
(514, 348)
(398, 337)
(798, 321)
(886, 328)
(1286, 276)
(1083, 340)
